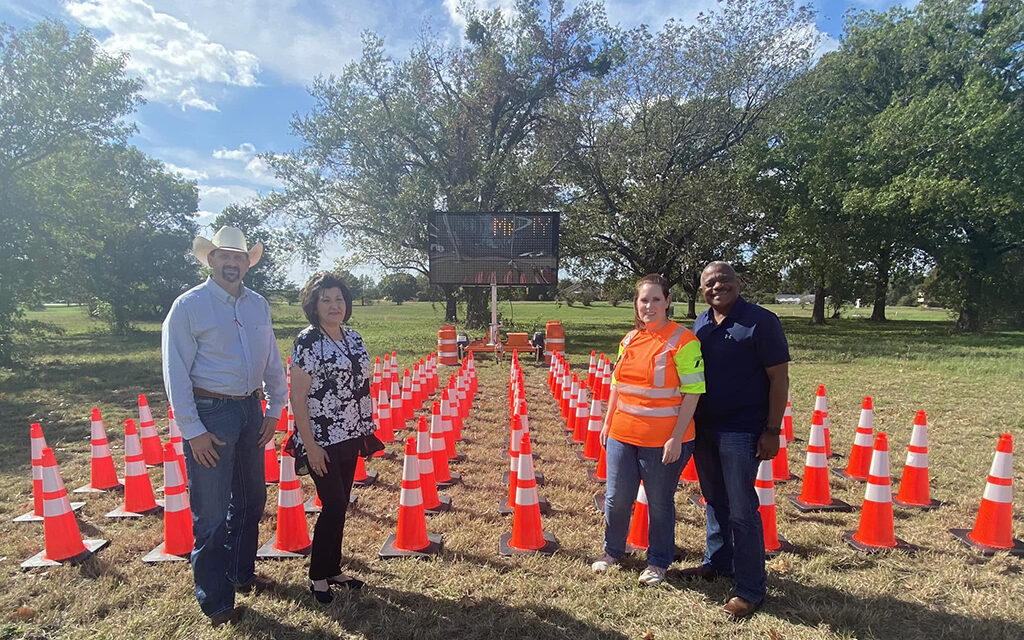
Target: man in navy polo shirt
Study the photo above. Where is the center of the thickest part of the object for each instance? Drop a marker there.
(738, 420)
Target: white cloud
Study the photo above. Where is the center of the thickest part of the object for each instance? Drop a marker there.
(177, 62)
(215, 198)
(508, 8)
(245, 151)
(186, 172)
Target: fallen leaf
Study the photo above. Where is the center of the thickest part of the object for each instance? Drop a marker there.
(649, 635)
(23, 614)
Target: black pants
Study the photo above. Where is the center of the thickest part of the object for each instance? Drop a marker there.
(334, 489)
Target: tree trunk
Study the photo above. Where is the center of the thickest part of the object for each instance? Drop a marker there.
(451, 304)
(691, 285)
(881, 286)
(691, 305)
(477, 316)
(818, 312)
(969, 318)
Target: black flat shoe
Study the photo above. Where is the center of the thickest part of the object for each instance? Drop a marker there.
(323, 597)
(348, 583)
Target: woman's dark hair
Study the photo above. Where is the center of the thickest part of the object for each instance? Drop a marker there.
(311, 295)
(650, 278)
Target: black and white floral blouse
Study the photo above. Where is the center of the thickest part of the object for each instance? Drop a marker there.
(339, 401)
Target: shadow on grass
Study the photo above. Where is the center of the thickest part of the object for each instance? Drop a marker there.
(390, 613)
(849, 615)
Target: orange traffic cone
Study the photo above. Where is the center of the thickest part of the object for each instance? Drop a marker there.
(37, 443)
(592, 444)
(152, 448)
(271, 468)
(363, 478)
(787, 421)
(62, 539)
(582, 423)
(640, 523)
(176, 441)
(282, 422)
(591, 369)
(449, 412)
(689, 472)
(397, 406)
(860, 455)
(515, 439)
(442, 475)
(600, 474)
(993, 528)
(432, 502)
(876, 530)
(765, 487)
(102, 475)
(292, 537)
(527, 535)
(407, 407)
(411, 537)
(780, 463)
(815, 494)
(138, 489)
(914, 490)
(821, 404)
(178, 539)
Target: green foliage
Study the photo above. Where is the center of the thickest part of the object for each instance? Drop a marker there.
(398, 287)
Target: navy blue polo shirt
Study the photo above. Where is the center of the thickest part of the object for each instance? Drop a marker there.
(736, 353)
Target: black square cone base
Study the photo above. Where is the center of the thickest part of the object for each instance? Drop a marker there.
(579, 456)
(434, 547)
(40, 559)
(371, 477)
(90, 489)
(268, 552)
(159, 555)
(593, 477)
(542, 502)
(383, 454)
(32, 517)
(784, 547)
(459, 457)
(121, 513)
(961, 534)
(932, 504)
(455, 478)
(599, 501)
(695, 500)
(841, 473)
(791, 478)
(536, 474)
(505, 549)
(901, 545)
(309, 506)
(807, 507)
(835, 456)
(444, 504)
(570, 439)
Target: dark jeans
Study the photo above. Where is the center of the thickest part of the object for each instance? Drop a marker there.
(334, 489)
(227, 502)
(627, 466)
(727, 467)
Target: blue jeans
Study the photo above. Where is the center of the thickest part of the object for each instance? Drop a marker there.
(627, 466)
(727, 467)
(227, 502)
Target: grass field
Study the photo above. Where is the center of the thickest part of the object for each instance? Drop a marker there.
(971, 387)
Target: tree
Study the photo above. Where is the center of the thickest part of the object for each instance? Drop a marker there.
(268, 275)
(56, 88)
(450, 127)
(398, 287)
(649, 150)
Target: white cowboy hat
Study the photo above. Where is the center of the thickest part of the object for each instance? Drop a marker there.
(227, 239)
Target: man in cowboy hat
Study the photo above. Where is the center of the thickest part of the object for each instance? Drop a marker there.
(219, 352)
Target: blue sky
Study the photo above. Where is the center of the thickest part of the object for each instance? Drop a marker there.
(223, 79)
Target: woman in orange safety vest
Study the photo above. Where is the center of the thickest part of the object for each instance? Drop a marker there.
(648, 429)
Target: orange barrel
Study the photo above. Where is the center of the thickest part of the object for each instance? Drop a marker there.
(554, 339)
(447, 350)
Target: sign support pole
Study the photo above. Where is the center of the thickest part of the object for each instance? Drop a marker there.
(492, 339)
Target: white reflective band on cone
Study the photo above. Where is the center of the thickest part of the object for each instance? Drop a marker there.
(765, 496)
(862, 439)
(132, 446)
(56, 507)
(135, 468)
(879, 464)
(426, 466)
(1002, 493)
(288, 498)
(410, 497)
(526, 496)
(919, 460)
(100, 450)
(919, 436)
(815, 460)
(97, 431)
(820, 404)
(878, 493)
(641, 494)
(175, 502)
(1002, 465)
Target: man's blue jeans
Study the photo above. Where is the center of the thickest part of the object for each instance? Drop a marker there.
(627, 466)
(727, 467)
(227, 501)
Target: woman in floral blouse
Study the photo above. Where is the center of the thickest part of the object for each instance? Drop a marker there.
(330, 395)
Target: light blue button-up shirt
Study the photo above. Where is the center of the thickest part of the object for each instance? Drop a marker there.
(220, 343)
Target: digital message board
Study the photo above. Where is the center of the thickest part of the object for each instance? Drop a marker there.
(507, 249)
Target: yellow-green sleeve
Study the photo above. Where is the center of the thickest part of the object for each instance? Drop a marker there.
(690, 365)
(617, 358)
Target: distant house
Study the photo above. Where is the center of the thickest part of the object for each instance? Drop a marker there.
(794, 298)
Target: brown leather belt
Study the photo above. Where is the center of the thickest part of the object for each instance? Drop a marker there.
(199, 391)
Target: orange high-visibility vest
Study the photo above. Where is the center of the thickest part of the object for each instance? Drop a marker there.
(654, 369)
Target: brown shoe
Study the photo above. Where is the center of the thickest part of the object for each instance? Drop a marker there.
(226, 617)
(258, 584)
(700, 571)
(738, 608)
